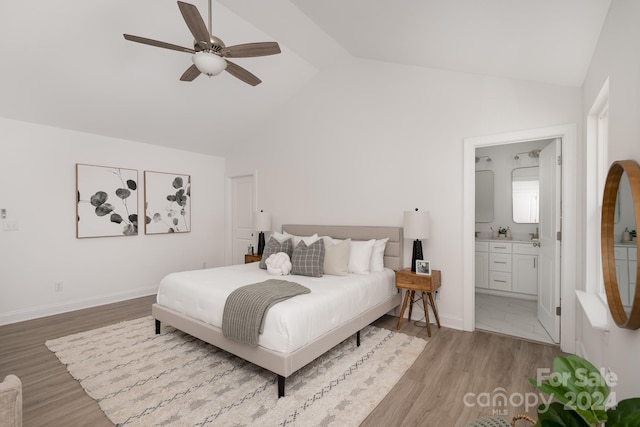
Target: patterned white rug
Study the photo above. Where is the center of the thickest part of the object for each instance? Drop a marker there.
(142, 379)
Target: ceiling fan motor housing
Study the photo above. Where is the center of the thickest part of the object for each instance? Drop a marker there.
(216, 45)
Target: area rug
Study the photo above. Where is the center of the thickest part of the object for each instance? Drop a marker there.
(173, 379)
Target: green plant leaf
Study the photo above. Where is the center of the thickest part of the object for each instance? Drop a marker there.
(556, 416)
(132, 184)
(177, 182)
(578, 385)
(626, 414)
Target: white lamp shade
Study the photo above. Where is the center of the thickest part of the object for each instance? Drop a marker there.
(262, 221)
(417, 224)
(209, 63)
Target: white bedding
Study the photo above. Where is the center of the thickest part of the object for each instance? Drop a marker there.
(289, 324)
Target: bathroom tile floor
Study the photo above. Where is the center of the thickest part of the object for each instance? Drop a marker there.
(510, 316)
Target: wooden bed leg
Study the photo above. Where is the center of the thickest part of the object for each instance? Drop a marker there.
(358, 338)
(280, 386)
(157, 327)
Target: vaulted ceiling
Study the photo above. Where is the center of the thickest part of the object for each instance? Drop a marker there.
(65, 62)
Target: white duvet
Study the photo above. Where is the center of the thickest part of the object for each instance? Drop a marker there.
(289, 324)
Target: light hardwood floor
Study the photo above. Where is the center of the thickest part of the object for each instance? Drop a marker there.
(431, 393)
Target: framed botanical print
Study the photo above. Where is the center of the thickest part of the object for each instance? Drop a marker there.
(167, 203)
(106, 201)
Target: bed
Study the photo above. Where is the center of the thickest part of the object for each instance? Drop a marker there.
(184, 306)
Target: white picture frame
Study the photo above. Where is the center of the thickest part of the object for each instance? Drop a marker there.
(423, 267)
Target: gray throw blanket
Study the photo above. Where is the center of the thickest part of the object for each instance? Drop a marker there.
(246, 308)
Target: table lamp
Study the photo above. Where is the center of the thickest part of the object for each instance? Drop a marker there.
(417, 225)
(261, 223)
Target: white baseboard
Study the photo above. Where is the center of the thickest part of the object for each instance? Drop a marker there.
(65, 307)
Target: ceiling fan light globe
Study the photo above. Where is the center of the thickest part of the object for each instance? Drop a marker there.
(209, 63)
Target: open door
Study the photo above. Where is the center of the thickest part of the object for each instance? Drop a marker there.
(549, 228)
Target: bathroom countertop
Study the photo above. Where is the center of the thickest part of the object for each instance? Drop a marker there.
(481, 239)
(629, 244)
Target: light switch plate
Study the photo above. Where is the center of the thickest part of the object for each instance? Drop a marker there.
(10, 226)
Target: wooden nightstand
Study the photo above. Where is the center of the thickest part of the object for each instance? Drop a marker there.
(426, 285)
(248, 258)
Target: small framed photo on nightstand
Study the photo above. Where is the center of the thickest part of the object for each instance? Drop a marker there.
(423, 267)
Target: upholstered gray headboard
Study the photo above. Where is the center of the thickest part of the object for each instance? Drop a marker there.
(393, 253)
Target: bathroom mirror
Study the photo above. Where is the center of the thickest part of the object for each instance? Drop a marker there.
(525, 195)
(621, 200)
(484, 196)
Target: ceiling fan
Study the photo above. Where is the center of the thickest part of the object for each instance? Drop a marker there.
(209, 52)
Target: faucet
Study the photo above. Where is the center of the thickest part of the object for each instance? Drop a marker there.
(534, 235)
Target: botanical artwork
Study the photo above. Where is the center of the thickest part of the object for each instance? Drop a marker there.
(167, 203)
(107, 201)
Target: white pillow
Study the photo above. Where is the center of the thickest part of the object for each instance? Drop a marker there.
(360, 256)
(280, 237)
(308, 240)
(336, 257)
(377, 255)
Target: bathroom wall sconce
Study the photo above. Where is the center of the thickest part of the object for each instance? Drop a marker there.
(534, 154)
(483, 157)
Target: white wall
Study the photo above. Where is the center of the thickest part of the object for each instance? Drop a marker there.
(37, 187)
(617, 57)
(368, 140)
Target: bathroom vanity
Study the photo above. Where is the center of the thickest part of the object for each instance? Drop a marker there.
(626, 261)
(507, 267)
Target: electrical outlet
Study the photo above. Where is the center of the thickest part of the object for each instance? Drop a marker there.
(58, 287)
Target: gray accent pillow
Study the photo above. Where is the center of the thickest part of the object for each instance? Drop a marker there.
(273, 247)
(308, 260)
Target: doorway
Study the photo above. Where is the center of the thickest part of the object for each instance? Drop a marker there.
(516, 288)
(241, 202)
(568, 222)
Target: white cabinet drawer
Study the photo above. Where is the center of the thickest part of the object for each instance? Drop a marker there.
(500, 262)
(499, 281)
(620, 252)
(500, 247)
(482, 246)
(525, 249)
(633, 253)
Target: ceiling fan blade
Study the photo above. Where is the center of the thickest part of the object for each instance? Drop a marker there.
(196, 24)
(251, 49)
(189, 75)
(242, 74)
(157, 43)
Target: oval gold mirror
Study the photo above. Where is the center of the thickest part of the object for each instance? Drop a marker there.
(619, 245)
